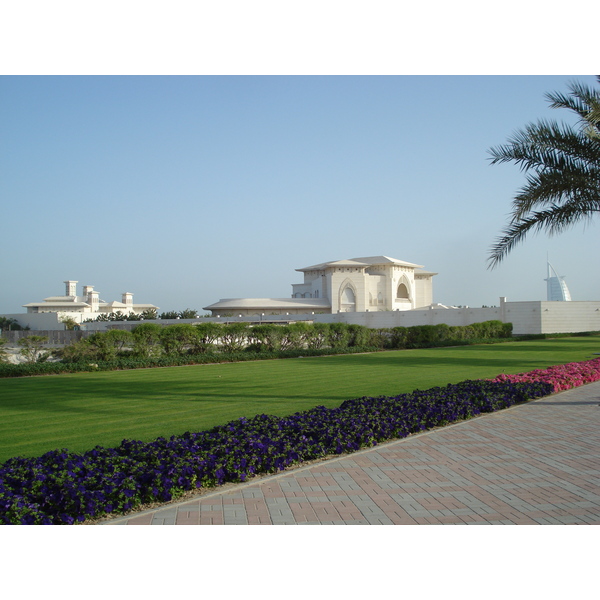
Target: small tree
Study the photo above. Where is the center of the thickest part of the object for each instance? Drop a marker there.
(302, 333)
(119, 338)
(188, 313)
(267, 337)
(78, 351)
(234, 336)
(292, 336)
(3, 352)
(171, 314)
(149, 314)
(358, 335)
(146, 340)
(33, 348)
(69, 322)
(102, 346)
(382, 338)
(133, 317)
(207, 335)
(319, 335)
(398, 337)
(7, 323)
(338, 335)
(176, 339)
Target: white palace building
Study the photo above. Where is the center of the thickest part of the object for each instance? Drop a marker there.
(372, 283)
(87, 306)
(374, 291)
(380, 292)
(49, 312)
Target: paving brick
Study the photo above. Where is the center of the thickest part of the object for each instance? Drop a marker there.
(538, 463)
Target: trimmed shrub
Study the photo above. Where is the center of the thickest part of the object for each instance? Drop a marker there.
(146, 340)
(178, 338)
(319, 335)
(207, 336)
(358, 335)
(339, 335)
(185, 343)
(265, 337)
(234, 337)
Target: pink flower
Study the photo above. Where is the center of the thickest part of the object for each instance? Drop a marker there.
(562, 377)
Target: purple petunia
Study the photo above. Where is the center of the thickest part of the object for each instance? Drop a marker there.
(63, 487)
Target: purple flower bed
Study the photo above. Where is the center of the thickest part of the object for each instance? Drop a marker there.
(63, 487)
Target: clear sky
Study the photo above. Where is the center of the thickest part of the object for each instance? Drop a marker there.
(188, 189)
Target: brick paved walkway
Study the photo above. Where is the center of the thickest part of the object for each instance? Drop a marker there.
(533, 464)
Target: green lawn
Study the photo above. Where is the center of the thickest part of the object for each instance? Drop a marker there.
(79, 411)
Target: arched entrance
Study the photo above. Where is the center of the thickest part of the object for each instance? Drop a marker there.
(348, 300)
(402, 292)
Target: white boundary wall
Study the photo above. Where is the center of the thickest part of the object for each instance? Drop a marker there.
(532, 317)
(37, 321)
(552, 317)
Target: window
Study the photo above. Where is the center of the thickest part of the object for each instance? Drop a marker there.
(402, 292)
(348, 300)
(348, 296)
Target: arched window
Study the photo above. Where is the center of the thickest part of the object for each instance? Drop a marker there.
(348, 296)
(402, 293)
(348, 300)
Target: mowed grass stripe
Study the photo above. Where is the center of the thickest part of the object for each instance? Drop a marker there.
(79, 411)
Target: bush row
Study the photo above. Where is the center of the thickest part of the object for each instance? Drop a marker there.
(133, 362)
(150, 344)
(63, 487)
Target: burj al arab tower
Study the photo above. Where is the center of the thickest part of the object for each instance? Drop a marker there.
(557, 288)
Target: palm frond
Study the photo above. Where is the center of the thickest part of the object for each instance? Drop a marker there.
(562, 166)
(553, 220)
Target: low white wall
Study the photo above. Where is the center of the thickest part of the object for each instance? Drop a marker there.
(525, 317)
(37, 321)
(532, 317)
(552, 317)
(569, 317)
(409, 318)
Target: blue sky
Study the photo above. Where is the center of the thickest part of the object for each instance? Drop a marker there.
(188, 189)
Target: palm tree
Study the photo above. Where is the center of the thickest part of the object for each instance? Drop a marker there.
(563, 166)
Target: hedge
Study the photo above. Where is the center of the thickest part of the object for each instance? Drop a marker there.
(151, 345)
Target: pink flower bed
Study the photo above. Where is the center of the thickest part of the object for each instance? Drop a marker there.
(562, 377)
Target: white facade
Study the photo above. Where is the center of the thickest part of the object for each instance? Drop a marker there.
(530, 317)
(87, 306)
(373, 283)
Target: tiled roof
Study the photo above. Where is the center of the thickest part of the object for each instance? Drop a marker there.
(366, 261)
(270, 303)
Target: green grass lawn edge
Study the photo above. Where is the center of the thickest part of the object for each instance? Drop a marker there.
(78, 411)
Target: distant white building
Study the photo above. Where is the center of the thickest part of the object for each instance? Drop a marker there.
(372, 283)
(557, 290)
(87, 306)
